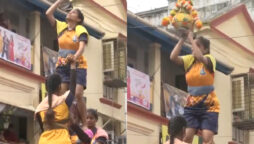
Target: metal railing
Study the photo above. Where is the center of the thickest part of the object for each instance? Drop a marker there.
(243, 101)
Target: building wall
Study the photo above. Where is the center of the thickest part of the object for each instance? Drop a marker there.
(223, 92)
(251, 136)
(229, 53)
(94, 91)
(241, 33)
(17, 89)
(100, 19)
(142, 130)
(115, 6)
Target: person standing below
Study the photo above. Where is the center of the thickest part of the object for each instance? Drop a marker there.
(176, 130)
(100, 136)
(92, 134)
(53, 112)
(6, 46)
(72, 40)
(202, 109)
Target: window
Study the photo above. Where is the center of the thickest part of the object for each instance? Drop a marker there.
(238, 94)
(111, 137)
(132, 57)
(114, 61)
(113, 128)
(240, 136)
(108, 56)
(110, 93)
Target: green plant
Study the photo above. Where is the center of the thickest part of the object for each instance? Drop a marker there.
(8, 113)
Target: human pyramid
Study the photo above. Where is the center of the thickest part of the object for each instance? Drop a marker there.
(62, 114)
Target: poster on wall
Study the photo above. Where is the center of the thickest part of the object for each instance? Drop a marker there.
(49, 60)
(15, 48)
(138, 88)
(174, 100)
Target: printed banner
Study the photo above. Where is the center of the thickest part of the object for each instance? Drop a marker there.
(138, 88)
(15, 48)
(49, 60)
(174, 100)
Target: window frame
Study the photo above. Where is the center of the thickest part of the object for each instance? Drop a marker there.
(242, 95)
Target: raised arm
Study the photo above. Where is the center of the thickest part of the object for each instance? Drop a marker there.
(80, 133)
(196, 52)
(50, 12)
(174, 56)
(71, 95)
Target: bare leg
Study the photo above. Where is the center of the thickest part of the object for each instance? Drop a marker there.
(207, 136)
(190, 132)
(81, 103)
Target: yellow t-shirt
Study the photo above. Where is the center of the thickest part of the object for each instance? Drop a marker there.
(189, 59)
(195, 78)
(68, 40)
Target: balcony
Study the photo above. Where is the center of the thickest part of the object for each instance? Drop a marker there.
(114, 62)
(243, 100)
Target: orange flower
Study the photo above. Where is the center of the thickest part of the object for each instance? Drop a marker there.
(199, 24)
(165, 21)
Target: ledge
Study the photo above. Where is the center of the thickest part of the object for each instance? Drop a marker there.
(147, 114)
(110, 103)
(21, 71)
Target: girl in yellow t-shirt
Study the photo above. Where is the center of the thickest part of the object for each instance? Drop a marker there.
(72, 40)
(53, 112)
(202, 109)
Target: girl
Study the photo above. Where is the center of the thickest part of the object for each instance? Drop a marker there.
(100, 135)
(92, 135)
(176, 129)
(53, 111)
(72, 40)
(202, 108)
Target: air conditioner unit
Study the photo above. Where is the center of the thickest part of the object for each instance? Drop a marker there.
(108, 56)
(240, 106)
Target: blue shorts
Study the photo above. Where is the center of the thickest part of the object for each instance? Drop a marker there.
(202, 120)
(64, 72)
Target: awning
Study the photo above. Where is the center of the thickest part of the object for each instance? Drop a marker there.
(167, 40)
(42, 6)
